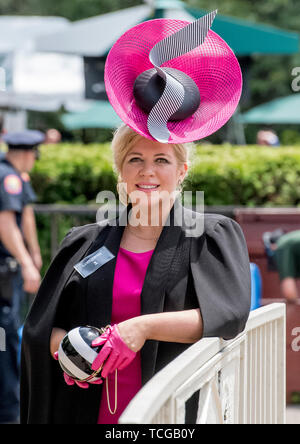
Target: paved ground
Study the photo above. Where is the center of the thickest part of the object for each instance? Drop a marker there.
(293, 414)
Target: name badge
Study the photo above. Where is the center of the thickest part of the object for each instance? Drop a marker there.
(93, 262)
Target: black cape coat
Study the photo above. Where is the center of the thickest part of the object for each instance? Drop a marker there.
(210, 270)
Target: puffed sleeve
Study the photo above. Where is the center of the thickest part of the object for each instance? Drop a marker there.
(222, 280)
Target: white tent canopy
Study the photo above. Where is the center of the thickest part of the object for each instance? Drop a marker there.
(18, 32)
(42, 82)
(93, 36)
(56, 76)
(37, 81)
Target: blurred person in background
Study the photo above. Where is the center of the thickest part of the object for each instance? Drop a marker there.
(267, 137)
(53, 136)
(287, 258)
(283, 253)
(20, 257)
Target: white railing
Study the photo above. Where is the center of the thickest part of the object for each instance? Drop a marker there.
(241, 381)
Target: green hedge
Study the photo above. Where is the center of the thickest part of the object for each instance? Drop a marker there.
(243, 176)
(229, 175)
(251, 176)
(73, 174)
(69, 174)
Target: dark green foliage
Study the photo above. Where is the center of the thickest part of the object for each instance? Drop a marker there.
(229, 175)
(70, 9)
(241, 176)
(73, 173)
(247, 176)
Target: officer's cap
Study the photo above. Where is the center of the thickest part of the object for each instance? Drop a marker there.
(24, 140)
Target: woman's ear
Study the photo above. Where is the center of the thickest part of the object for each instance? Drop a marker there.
(183, 172)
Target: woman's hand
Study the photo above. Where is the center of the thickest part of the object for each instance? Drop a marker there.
(119, 349)
(57, 336)
(70, 381)
(133, 333)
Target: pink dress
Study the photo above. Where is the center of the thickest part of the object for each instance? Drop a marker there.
(128, 283)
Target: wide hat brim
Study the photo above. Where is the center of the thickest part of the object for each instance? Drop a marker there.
(213, 66)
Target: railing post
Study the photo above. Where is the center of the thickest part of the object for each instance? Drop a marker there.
(240, 381)
(281, 365)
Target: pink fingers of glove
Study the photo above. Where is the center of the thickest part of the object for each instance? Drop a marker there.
(97, 382)
(70, 381)
(83, 385)
(103, 338)
(110, 364)
(117, 353)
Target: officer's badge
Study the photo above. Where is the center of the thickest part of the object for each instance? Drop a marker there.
(13, 184)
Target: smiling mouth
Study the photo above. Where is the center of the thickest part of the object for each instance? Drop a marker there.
(147, 187)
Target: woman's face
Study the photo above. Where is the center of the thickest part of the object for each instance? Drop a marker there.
(151, 166)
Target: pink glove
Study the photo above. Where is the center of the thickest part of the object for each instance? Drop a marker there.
(70, 381)
(116, 353)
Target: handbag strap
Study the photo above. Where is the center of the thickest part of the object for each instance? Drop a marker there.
(116, 394)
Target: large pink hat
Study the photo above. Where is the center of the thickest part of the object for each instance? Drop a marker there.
(173, 81)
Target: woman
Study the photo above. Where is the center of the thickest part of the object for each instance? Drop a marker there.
(210, 296)
(167, 284)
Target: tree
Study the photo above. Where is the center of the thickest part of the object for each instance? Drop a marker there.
(70, 9)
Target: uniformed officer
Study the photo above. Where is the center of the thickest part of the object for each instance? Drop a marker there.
(20, 257)
(287, 258)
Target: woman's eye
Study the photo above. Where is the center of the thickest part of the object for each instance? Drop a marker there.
(158, 160)
(162, 160)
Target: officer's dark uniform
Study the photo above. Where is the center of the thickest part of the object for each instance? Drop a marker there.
(15, 193)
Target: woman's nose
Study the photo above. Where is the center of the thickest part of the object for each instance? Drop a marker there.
(147, 169)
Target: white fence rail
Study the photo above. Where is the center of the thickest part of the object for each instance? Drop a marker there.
(241, 381)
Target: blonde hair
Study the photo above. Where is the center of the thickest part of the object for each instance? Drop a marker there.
(125, 138)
